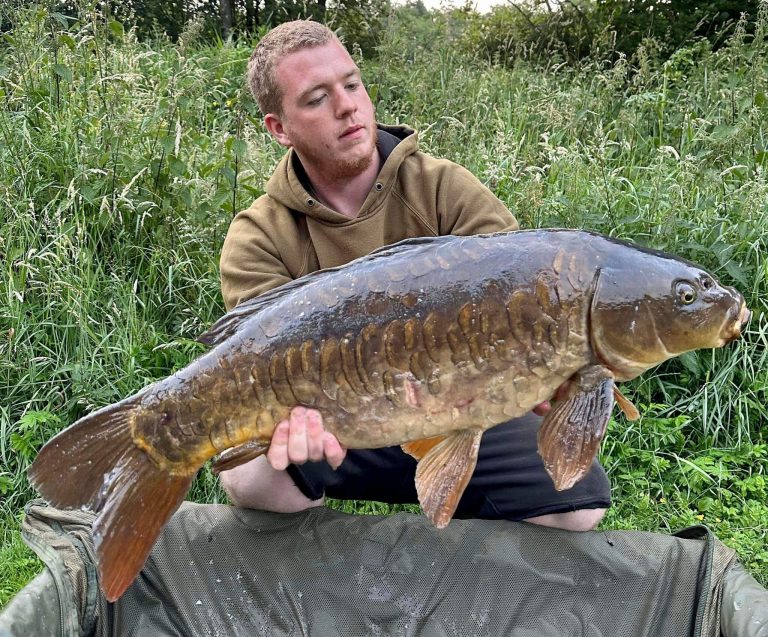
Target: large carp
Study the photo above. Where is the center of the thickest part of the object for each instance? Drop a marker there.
(428, 342)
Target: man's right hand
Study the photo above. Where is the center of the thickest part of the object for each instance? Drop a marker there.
(302, 437)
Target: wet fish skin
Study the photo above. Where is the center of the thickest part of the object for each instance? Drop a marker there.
(431, 339)
(442, 339)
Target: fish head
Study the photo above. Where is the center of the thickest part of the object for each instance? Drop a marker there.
(652, 306)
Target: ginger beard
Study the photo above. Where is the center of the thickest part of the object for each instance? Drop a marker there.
(349, 161)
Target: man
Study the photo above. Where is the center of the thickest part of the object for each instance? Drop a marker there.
(346, 187)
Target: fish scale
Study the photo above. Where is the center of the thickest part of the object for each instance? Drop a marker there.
(402, 366)
(425, 344)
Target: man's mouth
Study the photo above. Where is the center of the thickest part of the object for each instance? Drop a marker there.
(352, 131)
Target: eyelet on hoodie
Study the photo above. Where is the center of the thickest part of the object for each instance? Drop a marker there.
(379, 186)
(310, 202)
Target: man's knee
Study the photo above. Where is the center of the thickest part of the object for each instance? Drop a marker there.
(581, 520)
(232, 484)
(256, 485)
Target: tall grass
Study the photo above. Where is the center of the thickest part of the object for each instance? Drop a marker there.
(123, 163)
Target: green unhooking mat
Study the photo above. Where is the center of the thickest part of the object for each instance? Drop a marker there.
(218, 570)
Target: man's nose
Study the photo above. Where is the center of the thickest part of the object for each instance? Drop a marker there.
(345, 104)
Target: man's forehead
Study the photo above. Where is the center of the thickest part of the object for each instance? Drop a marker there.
(311, 63)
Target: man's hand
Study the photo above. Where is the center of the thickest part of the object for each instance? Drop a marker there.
(562, 393)
(301, 437)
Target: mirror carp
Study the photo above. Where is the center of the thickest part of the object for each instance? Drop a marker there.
(425, 343)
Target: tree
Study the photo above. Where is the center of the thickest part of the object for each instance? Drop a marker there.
(227, 12)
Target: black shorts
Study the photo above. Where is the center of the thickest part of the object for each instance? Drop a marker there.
(510, 481)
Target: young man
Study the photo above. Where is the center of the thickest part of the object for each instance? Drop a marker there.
(346, 187)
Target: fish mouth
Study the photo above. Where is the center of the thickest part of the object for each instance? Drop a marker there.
(733, 329)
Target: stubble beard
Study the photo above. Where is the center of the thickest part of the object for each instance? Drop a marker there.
(337, 168)
(348, 168)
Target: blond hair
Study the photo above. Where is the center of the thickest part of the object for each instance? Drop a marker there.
(279, 42)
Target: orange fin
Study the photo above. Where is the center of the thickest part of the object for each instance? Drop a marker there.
(142, 498)
(95, 464)
(236, 456)
(70, 469)
(444, 472)
(571, 432)
(419, 448)
(625, 404)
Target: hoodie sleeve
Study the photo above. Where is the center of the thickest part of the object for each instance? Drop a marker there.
(250, 262)
(465, 206)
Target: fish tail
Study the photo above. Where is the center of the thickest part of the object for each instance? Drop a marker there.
(95, 464)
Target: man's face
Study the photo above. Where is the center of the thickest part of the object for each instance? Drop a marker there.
(327, 116)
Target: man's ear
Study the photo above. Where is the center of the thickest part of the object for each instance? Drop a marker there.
(275, 127)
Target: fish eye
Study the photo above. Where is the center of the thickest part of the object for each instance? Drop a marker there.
(685, 292)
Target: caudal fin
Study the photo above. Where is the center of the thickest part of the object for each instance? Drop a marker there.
(95, 464)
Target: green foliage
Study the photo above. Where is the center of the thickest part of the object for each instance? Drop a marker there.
(597, 28)
(18, 564)
(31, 432)
(673, 23)
(362, 507)
(359, 23)
(666, 478)
(123, 164)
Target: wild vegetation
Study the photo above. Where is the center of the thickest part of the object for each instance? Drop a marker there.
(123, 162)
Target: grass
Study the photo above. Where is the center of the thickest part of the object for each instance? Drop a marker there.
(18, 564)
(123, 163)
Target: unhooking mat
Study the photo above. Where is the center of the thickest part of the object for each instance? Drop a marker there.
(219, 570)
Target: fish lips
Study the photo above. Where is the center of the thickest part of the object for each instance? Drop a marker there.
(733, 329)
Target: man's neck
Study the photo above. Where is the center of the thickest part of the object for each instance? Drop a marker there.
(345, 195)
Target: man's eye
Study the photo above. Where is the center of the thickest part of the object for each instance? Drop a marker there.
(316, 101)
(352, 86)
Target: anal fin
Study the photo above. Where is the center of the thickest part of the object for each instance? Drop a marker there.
(420, 448)
(444, 472)
(571, 432)
(236, 456)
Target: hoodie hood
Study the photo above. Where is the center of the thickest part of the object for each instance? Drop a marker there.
(286, 186)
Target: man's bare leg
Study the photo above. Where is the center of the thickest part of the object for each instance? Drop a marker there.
(257, 485)
(581, 520)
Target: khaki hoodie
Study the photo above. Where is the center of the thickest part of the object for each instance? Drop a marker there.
(287, 233)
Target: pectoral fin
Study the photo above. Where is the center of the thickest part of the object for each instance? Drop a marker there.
(570, 435)
(630, 411)
(420, 448)
(444, 472)
(236, 456)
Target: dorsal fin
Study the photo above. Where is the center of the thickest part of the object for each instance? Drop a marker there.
(230, 323)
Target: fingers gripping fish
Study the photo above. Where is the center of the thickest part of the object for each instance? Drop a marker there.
(426, 343)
